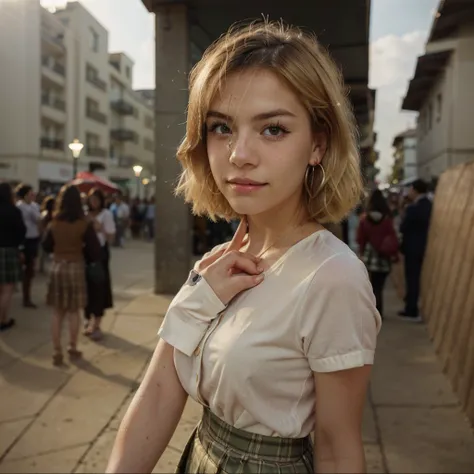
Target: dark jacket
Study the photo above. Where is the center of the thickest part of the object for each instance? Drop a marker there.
(12, 227)
(414, 228)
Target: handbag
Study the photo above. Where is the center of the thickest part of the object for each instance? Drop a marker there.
(95, 273)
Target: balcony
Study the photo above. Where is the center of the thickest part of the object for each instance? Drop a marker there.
(52, 143)
(54, 42)
(97, 82)
(122, 107)
(55, 102)
(126, 161)
(96, 151)
(97, 116)
(123, 135)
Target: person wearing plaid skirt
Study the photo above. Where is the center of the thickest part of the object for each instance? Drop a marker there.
(68, 237)
(273, 333)
(12, 235)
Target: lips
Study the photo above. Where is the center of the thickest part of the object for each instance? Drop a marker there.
(245, 185)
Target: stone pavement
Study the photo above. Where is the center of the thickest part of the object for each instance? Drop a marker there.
(65, 420)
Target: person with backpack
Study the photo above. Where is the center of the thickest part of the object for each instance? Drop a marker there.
(378, 243)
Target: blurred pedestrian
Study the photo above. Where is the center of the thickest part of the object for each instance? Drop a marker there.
(31, 217)
(12, 235)
(378, 243)
(47, 209)
(69, 237)
(136, 218)
(121, 212)
(150, 218)
(414, 229)
(99, 291)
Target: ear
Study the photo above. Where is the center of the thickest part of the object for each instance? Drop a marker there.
(319, 148)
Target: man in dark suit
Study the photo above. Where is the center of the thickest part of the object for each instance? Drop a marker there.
(414, 229)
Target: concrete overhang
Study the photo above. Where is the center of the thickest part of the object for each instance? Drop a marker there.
(449, 16)
(411, 133)
(341, 25)
(428, 68)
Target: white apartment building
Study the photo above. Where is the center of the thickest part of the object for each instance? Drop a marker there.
(131, 127)
(442, 91)
(60, 86)
(405, 165)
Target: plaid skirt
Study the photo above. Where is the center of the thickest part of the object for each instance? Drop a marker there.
(10, 265)
(216, 447)
(67, 286)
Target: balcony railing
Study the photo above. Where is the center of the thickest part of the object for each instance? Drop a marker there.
(55, 102)
(56, 39)
(58, 68)
(97, 82)
(123, 135)
(97, 116)
(52, 143)
(96, 151)
(126, 161)
(122, 107)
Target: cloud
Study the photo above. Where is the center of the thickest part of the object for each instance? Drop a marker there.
(392, 65)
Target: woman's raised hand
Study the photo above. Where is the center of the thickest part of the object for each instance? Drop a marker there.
(230, 271)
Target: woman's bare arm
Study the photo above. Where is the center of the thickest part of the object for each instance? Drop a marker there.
(339, 408)
(151, 418)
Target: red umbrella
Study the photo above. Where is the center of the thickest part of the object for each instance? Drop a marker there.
(85, 181)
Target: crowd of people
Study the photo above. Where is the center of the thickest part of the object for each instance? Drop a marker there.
(71, 234)
(394, 225)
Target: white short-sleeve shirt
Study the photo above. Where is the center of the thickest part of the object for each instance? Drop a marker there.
(106, 218)
(252, 363)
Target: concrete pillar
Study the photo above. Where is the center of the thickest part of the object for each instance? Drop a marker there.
(173, 221)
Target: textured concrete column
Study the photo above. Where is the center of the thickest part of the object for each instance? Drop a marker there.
(173, 219)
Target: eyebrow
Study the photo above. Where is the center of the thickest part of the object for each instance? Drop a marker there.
(256, 118)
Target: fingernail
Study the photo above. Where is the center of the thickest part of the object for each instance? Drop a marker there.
(260, 269)
(259, 278)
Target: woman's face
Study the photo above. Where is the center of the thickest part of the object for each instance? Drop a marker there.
(260, 142)
(94, 202)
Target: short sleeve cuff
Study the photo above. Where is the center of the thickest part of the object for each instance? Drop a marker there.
(189, 316)
(342, 362)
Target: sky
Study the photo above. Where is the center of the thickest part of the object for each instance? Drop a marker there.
(399, 29)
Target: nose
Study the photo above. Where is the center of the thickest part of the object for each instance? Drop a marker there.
(242, 151)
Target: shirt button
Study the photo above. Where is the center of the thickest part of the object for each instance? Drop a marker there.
(197, 351)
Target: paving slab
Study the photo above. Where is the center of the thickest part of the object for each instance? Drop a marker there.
(421, 440)
(10, 430)
(84, 406)
(52, 462)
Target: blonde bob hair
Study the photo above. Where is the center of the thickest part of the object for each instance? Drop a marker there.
(335, 187)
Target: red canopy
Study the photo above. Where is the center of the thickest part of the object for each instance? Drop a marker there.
(85, 181)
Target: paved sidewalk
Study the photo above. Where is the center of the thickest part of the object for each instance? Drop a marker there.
(65, 420)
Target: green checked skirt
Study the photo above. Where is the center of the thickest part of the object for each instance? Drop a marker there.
(216, 447)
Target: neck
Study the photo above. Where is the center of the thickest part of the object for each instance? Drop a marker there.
(278, 228)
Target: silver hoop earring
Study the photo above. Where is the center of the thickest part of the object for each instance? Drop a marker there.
(309, 180)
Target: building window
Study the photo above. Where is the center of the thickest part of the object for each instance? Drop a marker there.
(127, 72)
(149, 122)
(93, 40)
(439, 107)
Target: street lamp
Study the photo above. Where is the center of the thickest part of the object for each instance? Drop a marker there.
(76, 147)
(137, 169)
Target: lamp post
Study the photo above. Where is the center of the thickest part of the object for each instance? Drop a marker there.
(137, 169)
(145, 182)
(76, 147)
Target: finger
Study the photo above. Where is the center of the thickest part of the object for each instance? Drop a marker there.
(238, 262)
(236, 242)
(244, 282)
(210, 258)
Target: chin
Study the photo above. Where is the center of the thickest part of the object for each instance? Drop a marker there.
(248, 207)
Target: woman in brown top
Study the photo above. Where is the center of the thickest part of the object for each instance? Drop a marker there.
(68, 237)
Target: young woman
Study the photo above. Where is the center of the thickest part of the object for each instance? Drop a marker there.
(12, 235)
(378, 243)
(99, 294)
(68, 237)
(275, 332)
(47, 209)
